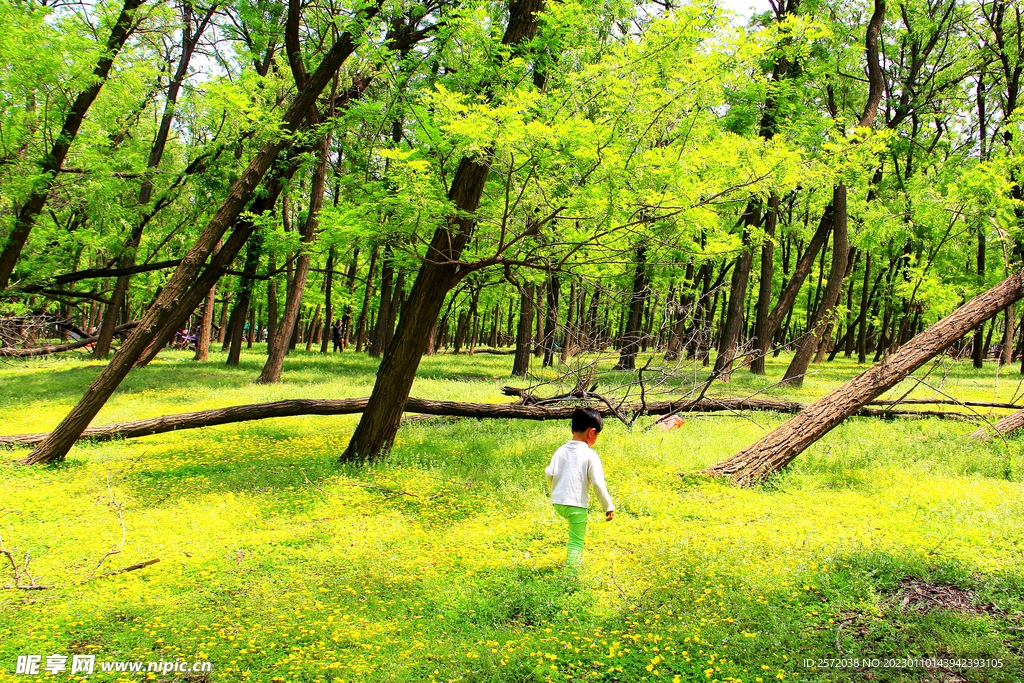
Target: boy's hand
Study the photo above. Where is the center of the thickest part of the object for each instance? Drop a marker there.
(608, 515)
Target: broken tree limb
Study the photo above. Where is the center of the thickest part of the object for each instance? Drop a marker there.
(1010, 423)
(58, 348)
(129, 568)
(512, 411)
(777, 448)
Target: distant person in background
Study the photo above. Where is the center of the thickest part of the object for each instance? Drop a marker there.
(336, 334)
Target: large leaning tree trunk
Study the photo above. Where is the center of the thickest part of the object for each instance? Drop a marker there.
(379, 424)
(1005, 425)
(65, 434)
(377, 428)
(822, 317)
(189, 41)
(50, 164)
(776, 449)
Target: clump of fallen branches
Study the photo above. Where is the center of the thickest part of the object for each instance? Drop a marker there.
(20, 336)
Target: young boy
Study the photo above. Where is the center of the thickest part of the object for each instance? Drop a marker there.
(574, 468)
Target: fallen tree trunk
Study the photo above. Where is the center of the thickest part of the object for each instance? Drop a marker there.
(59, 348)
(1006, 425)
(776, 449)
(509, 411)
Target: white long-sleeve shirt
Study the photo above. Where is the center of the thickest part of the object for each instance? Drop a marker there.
(574, 468)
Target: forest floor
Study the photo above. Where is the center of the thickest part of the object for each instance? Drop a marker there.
(886, 542)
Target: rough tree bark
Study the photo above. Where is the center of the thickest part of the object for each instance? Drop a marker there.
(524, 332)
(776, 449)
(1004, 426)
(206, 326)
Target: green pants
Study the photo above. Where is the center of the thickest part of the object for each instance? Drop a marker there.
(577, 518)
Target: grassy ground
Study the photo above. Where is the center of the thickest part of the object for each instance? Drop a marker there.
(443, 562)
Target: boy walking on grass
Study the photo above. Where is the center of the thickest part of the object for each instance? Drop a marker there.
(574, 467)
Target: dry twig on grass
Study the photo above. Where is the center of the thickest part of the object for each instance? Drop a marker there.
(114, 550)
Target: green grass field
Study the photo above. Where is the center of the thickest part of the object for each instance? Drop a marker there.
(887, 540)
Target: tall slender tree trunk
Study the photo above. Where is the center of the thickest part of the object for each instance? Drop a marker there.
(729, 343)
(275, 357)
(521, 361)
(205, 327)
(223, 318)
(632, 332)
(783, 310)
(346, 321)
(325, 341)
(253, 331)
(271, 302)
(570, 339)
(1008, 329)
(314, 322)
(762, 338)
(364, 311)
(244, 303)
(396, 306)
(979, 347)
(862, 321)
(551, 325)
(379, 338)
(538, 346)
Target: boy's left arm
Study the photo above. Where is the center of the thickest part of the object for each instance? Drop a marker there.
(600, 488)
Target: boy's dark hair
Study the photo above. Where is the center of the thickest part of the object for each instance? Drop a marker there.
(585, 418)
